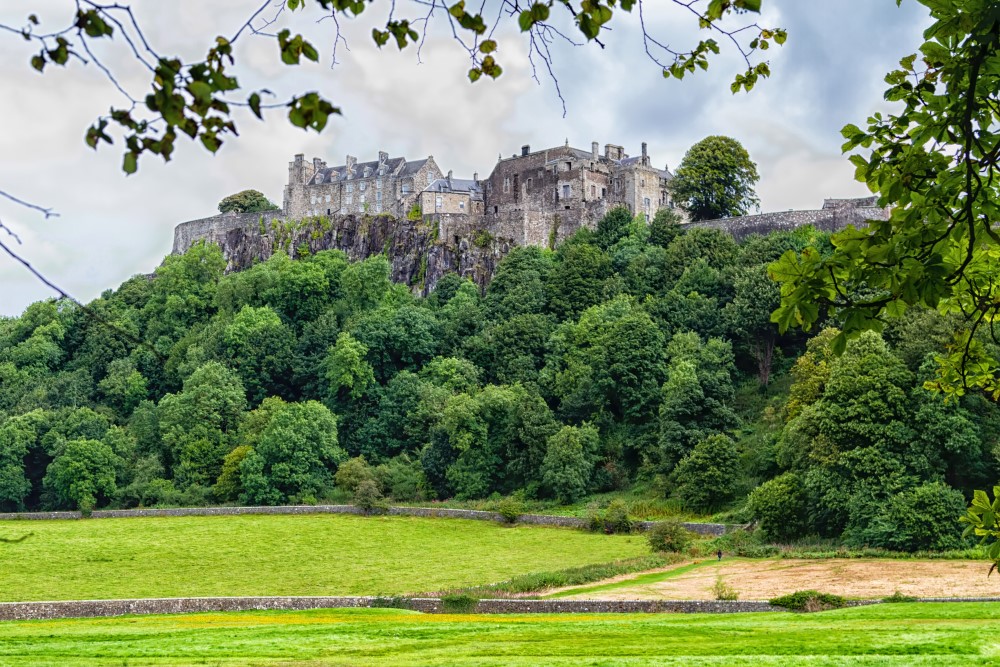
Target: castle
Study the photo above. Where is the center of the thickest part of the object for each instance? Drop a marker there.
(429, 223)
(534, 198)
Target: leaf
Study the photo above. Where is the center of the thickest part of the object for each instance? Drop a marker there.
(130, 163)
(488, 46)
(254, 102)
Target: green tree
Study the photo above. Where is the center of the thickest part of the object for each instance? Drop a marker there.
(349, 375)
(706, 478)
(569, 462)
(295, 457)
(613, 227)
(716, 179)
(82, 474)
(259, 346)
(575, 281)
(247, 201)
(779, 505)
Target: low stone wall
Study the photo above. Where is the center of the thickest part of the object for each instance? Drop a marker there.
(437, 512)
(23, 611)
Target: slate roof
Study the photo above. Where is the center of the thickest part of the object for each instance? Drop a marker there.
(339, 173)
(456, 185)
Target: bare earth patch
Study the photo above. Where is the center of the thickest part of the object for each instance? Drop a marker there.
(765, 579)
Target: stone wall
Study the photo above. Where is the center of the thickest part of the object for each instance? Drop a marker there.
(827, 219)
(436, 512)
(22, 611)
(214, 229)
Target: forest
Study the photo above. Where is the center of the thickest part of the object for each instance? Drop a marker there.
(635, 358)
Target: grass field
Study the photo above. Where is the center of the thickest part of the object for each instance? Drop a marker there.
(941, 635)
(283, 555)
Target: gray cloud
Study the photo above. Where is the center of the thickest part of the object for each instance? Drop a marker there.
(111, 226)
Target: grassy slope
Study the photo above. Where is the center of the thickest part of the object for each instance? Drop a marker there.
(283, 555)
(941, 635)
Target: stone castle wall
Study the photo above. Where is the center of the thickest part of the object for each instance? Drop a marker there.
(830, 218)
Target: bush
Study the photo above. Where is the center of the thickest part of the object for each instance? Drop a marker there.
(352, 473)
(402, 478)
(510, 509)
(568, 465)
(459, 603)
(369, 499)
(779, 505)
(808, 601)
(924, 518)
(613, 519)
(899, 597)
(669, 536)
(724, 591)
(246, 201)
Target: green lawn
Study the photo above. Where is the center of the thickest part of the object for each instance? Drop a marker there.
(283, 555)
(938, 635)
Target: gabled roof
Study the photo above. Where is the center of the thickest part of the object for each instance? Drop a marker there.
(339, 173)
(455, 185)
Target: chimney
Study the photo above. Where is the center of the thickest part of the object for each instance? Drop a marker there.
(351, 161)
(318, 164)
(383, 157)
(644, 154)
(475, 177)
(525, 149)
(449, 178)
(593, 150)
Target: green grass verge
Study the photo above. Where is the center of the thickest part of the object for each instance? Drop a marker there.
(938, 635)
(649, 578)
(284, 555)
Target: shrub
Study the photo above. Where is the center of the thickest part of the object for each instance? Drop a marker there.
(669, 536)
(568, 464)
(808, 601)
(724, 591)
(922, 518)
(245, 202)
(369, 499)
(402, 478)
(779, 505)
(899, 597)
(352, 473)
(613, 519)
(459, 603)
(510, 509)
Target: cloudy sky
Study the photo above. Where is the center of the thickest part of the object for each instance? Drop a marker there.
(111, 226)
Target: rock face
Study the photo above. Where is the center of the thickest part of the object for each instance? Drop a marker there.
(416, 249)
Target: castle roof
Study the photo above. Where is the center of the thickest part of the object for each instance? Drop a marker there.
(392, 166)
(459, 185)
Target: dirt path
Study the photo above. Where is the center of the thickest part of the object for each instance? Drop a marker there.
(854, 578)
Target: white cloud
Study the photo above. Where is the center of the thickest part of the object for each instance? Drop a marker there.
(112, 226)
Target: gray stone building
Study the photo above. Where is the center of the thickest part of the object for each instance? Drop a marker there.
(542, 197)
(387, 185)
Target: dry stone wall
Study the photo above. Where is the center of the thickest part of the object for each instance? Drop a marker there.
(435, 512)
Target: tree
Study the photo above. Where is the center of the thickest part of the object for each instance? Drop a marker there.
(294, 458)
(706, 477)
(569, 462)
(196, 98)
(716, 179)
(247, 201)
(934, 163)
(780, 506)
(81, 474)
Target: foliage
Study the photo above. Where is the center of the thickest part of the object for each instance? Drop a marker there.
(779, 506)
(612, 519)
(933, 163)
(924, 518)
(723, 591)
(983, 519)
(716, 179)
(369, 499)
(247, 201)
(537, 582)
(81, 473)
(808, 601)
(669, 536)
(569, 462)
(510, 509)
(459, 603)
(706, 477)
(352, 473)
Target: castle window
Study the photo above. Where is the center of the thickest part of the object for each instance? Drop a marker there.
(319, 178)
(604, 193)
(461, 205)
(645, 203)
(328, 199)
(378, 198)
(348, 200)
(642, 182)
(350, 187)
(407, 188)
(565, 192)
(362, 185)
(528, 184)
(437, 202)
(378, 182)
(593, 191)
(496, 210)
(312, 200)
(506, 184)
(569, 165)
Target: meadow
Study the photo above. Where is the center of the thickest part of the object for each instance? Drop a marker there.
(936, 634)
(284, 555)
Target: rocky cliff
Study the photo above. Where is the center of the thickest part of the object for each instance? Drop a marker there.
(420, 251)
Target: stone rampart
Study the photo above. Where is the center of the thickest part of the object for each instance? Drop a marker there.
(831, 219)
(436, 512)
(214, 229)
